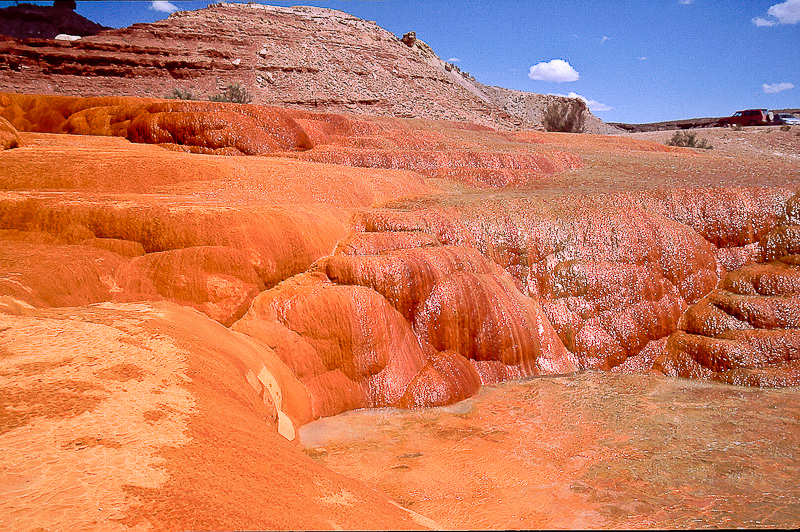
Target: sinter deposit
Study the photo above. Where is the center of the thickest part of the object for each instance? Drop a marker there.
(186, 287)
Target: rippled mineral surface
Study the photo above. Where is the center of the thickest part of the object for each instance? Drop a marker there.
(194, 310)
(587, 450)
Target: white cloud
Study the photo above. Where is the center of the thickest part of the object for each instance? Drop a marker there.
(556, 70)
(685, 2)
(642, 58)
(761, 22)
(454, 60)
(604, 38)
(164, 7)
(772, 88)
(787, 12)
(593, 105)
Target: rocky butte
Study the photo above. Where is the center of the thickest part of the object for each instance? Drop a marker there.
(185, 284)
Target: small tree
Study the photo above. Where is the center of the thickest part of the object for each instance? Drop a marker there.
(233, 93)
(566, 116)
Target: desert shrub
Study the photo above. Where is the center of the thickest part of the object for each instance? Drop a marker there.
(233, 93)
(566, 116)
(786, 127)
(688, 140)
(180, 94)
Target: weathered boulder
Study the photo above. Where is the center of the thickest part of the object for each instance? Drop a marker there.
(409, 38)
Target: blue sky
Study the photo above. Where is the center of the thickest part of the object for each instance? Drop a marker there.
(634, 60)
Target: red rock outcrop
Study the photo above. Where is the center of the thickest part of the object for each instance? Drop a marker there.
(287, 210)
(277, 242)
(441, 150)
(459, 301)
(729, 218)
(474, 155)
(518, 279)
(610, 276)
(660, 250)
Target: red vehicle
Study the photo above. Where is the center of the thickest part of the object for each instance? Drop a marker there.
(750, 117)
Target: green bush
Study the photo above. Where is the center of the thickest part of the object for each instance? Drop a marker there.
(688, 140)
(233, 93)
(786, 127)
(565, 116)
(180, 94)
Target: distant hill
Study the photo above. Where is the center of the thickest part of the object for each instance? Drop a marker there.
(300, 57)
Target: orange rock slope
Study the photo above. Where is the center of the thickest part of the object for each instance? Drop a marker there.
(358, 262)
